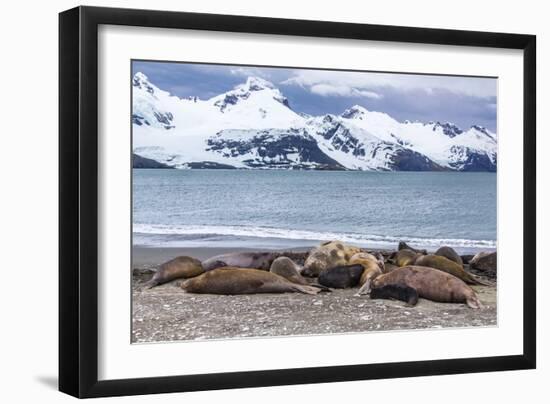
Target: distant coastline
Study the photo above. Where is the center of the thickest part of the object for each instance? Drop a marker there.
(140, 162)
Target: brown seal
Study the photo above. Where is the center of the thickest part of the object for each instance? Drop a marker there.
(449, 253)
(329, 254)
(404, 246)
(428, 283)
(238, 281)
(179, 267)
(404, 257)
(372, 267)
(288, 269)
(388, 267)
(253, 260)
(446, 265)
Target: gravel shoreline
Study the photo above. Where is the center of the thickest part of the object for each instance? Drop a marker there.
(167, 313)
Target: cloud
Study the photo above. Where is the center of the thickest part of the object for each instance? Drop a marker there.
(250, 71)
(376, 82)
(327, 90)
(463, 100)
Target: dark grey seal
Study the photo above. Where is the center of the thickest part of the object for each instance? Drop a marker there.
(347, 276)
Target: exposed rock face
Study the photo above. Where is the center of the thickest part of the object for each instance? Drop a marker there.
(142, 162)
(479, 162)
(154, 115)
(449, 129)
(292, 149)
(409, 160)
(211, 165)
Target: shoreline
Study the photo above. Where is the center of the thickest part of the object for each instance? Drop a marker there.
(151, 255)
(282, 238)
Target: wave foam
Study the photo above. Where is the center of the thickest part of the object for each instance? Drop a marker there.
(271, 232)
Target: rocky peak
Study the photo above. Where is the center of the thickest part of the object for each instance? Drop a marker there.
(482, 130)
(140, 80)
(354, 112)
(257, 84)
(243, 91)
(449, 129)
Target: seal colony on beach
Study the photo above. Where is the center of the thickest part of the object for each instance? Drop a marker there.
(406, 274)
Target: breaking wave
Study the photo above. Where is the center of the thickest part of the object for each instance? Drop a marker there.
(199, 232)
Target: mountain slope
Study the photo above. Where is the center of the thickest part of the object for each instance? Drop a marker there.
(254, 126)
(142, 162)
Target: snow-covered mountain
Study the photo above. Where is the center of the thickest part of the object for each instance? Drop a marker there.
(254, 126)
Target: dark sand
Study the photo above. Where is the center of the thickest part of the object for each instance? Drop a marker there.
(166, 313)
(148, 257)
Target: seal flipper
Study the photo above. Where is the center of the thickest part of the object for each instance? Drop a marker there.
(323, 288)
(474, 302)
(315, 284)
(365, 289)
(308, 290)
(479, 281)
(397, 291)
(472, 279)
(150, 284)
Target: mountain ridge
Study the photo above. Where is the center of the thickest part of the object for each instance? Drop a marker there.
(253, 126)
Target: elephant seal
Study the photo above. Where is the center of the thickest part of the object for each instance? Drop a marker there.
(388, 267)
(329, 254)
(451, 267)
(485, 261)
(342, 277)
(404, 246)
(430, 284)
(288, 269)
(449, 253)
(404, 257)
(179, 267)
(239, 281)
(253, 260)
(396, 291)
(372, 267)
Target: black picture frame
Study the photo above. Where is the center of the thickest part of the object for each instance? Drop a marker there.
(78, 200)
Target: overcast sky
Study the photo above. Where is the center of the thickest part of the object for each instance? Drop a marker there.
(465, 101)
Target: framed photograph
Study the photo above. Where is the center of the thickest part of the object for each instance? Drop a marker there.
(251, 201)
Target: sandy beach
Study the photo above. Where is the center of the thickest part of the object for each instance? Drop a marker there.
(166, 313)
(150, 257)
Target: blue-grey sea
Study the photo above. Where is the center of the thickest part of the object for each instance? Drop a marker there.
(284, 209)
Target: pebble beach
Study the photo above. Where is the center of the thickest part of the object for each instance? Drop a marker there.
(167, 313)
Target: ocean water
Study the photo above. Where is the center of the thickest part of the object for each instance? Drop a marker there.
(283, 209)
